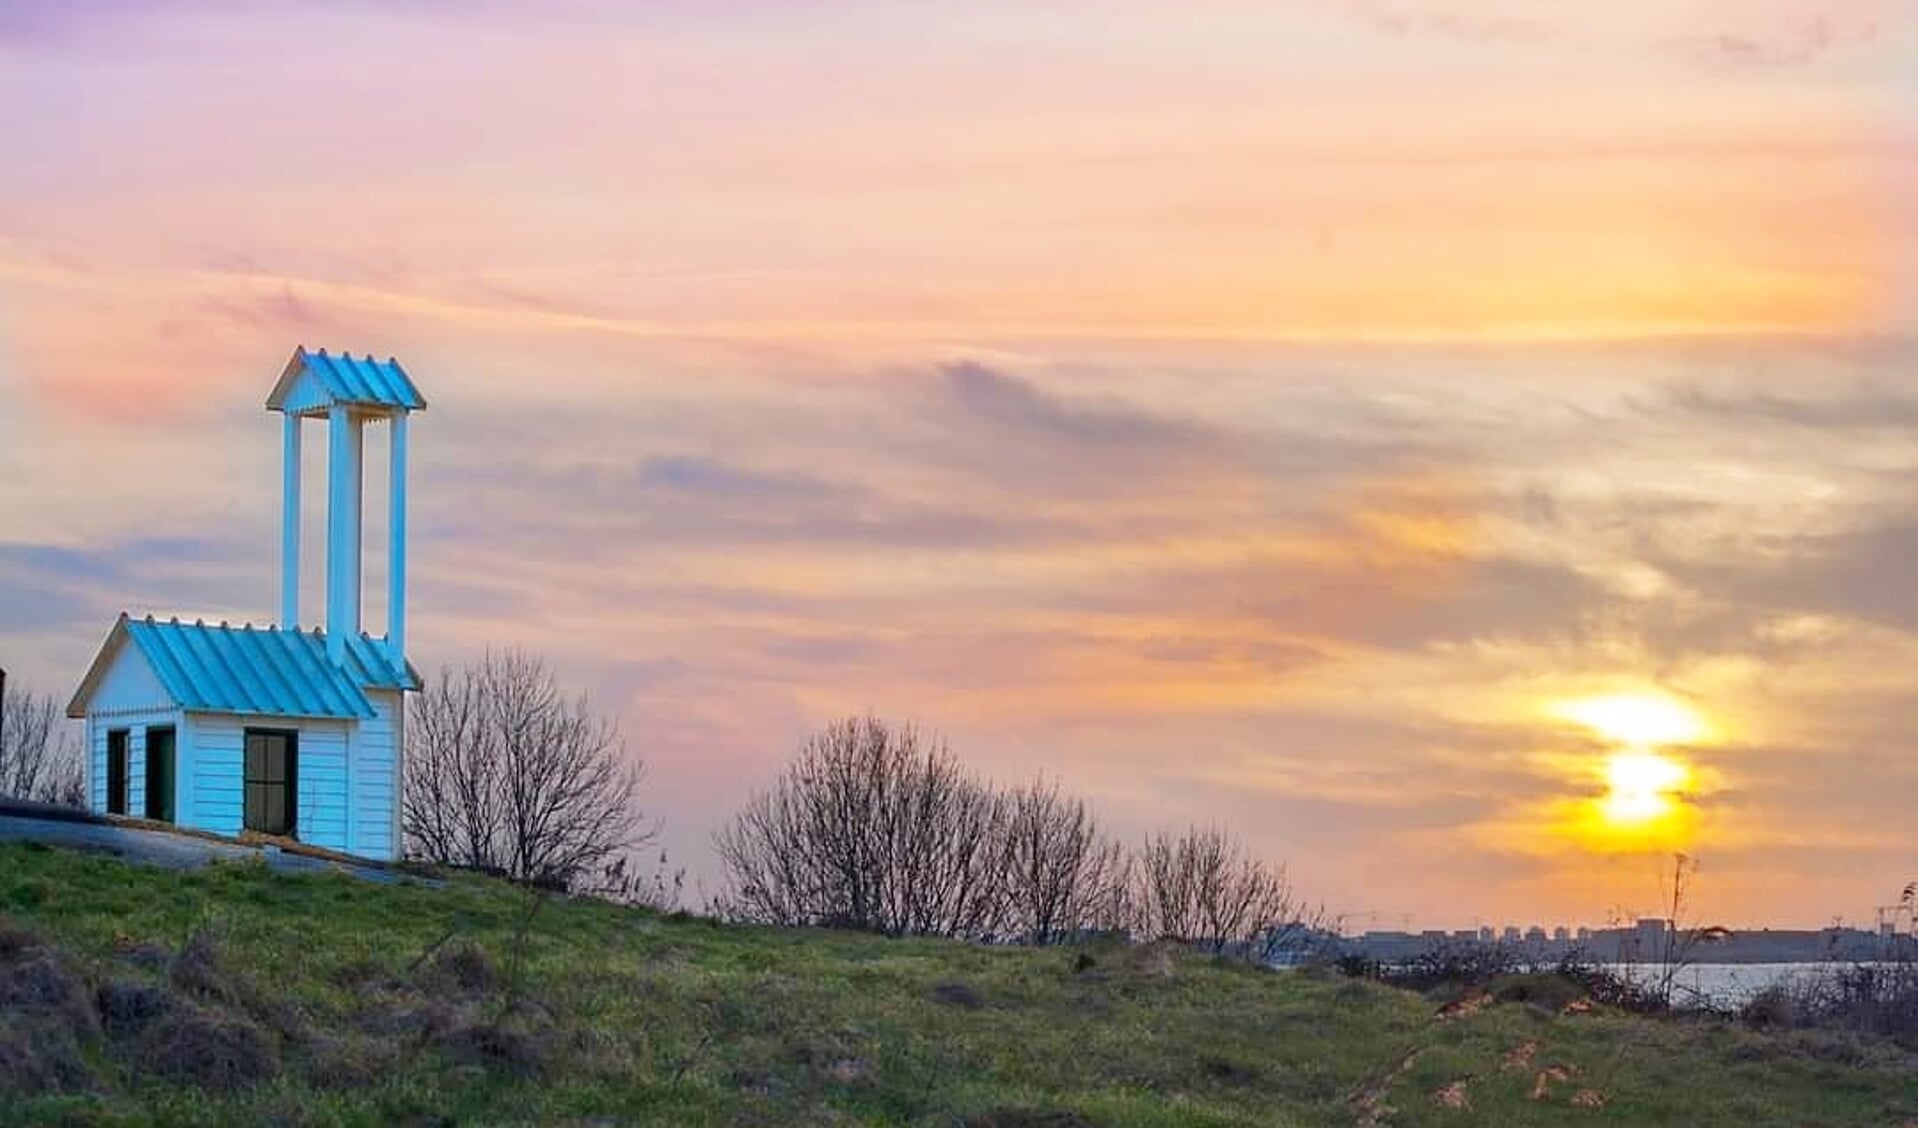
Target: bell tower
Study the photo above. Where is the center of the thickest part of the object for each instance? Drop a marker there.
(348, 394)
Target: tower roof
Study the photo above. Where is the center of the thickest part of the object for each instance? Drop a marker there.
(314, 381)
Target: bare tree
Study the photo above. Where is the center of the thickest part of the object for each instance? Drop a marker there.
(1204, 888)
(871, 827)
(874, 827)
(40, 755)
(506, 773)
(1064, 876)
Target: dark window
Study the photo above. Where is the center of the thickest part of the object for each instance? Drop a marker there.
(117, 772)
(160, 774)
(271, 771)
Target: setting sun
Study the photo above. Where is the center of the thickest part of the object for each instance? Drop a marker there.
(1640, 803)
(1642, 786)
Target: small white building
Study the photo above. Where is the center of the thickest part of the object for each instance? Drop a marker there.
(281, 730)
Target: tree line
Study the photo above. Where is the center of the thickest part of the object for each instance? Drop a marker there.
(880, 827)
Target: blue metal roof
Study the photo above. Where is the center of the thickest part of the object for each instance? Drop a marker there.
(348, 379)
(264, 671)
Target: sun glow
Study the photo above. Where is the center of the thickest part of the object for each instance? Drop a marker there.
(1645, 785)
(1642, 787)
(1637, 720)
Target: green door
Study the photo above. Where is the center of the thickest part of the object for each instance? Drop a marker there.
(160, 774)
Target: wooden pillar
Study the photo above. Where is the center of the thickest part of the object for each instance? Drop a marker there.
(343, 530)
(396, 544)
(290, 525)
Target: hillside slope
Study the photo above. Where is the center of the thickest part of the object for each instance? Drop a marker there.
(235, 995)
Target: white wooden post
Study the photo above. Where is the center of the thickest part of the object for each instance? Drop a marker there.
(343, 531)
(290, 525)
(396, 544)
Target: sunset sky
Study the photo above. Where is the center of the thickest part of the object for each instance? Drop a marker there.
(1470, 448)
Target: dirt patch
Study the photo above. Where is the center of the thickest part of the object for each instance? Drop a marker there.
(1465, 1006)
(1453, 1095)
(1369, 1101)
(208, 1050)
(956, 994)
(1521, 1055)
(1548, 1077)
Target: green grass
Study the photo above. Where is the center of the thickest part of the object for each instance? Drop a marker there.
(625, 1016)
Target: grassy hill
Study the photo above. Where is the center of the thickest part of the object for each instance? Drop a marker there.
(235, 995)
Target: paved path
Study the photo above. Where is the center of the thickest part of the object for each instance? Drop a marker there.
(77, 830)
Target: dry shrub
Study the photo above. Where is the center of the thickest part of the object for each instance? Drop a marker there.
(356, 973)
(1157, 960)
(40, 985)
(346, 1062)
(1878, 999)
(465, 966)
(40, 1055)
(209, 1051)
(406, 1017)
(1771, 1007)
(17, 940)
(127, 1007)
(499, 1047)
(1229, 1072)
(1545, 990)
(145, 955)
(848, 1071)
(201, 971)
(45, 1015)
(196, 969)
(1027, 1118)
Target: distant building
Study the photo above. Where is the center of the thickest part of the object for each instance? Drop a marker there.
(1535, 935)
(1648, 935)
(1512, 934)
(1562, 934)
(1584, 934)
(1486, 934)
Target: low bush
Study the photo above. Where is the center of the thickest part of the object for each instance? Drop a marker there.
(1870, 998)
(208, 1050)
